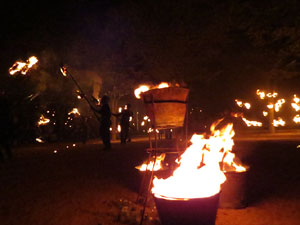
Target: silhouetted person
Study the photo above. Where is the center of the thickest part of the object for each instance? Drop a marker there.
(105, 122)
(125, 123)
(7, 128)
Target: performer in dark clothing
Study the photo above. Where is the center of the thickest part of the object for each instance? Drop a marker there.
(105, 122)
(125, 123)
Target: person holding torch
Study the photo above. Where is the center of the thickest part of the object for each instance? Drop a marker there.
(104, 111)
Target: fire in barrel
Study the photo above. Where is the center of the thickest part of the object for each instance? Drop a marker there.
(191, 194)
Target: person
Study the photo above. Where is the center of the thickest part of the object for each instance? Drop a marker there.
(7, 128)
(125, 115)
(105, 122)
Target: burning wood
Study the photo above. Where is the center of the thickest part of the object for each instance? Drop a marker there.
(199, 174)
(23, 67)
(296, 118)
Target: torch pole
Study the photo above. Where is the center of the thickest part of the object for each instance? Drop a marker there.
(65, 73)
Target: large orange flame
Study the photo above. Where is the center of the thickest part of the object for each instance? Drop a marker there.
(199, 174)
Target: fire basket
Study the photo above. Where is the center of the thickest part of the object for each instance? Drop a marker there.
(200, 211)
(166, 107)
(233, 190)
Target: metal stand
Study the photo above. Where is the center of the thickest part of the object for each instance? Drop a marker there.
(153, 152)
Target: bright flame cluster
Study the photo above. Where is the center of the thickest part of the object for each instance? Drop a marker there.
(263, 95)
(145, 87)
(199, 174)
(23, 67)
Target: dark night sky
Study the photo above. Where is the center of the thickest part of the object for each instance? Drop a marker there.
(30, 28)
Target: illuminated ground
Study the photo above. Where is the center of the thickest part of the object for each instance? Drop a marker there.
(83, 185)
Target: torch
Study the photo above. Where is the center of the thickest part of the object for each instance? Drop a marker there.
(63, 70)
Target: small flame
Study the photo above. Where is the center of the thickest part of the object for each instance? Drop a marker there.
(43, 121)
(296, 118)
(119, 128)
(64, 71)
(265, 113)
(163, 85)
(241, 104)
(40, 140)
(250, 123)
(261, 94)
(295, 104)
(279, 104)
(74, 111)
(151, 165)
(23, 67)
(141, 89)
(278, 122)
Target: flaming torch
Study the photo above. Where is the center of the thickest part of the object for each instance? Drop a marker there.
(23, 67)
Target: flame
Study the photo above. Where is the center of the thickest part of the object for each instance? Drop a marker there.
(151, 165)
(278, 122)
(23, 67)
(43, 121)
(163, 85)
(40, 140)
(252, 123)
(241, 104)
(199, 174)
(119, 128)
(265, 113)
(63, 70)
(261, 94)
(141, 89)
(279, 104)
(248, 122)
(74, 111)
(144, 88)
(296, 119)
(295, 104)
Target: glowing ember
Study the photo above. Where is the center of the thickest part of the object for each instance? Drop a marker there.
(163, 85)
(199, 174)
(43, 121)
(278, 122)
(23, 67)
(119, 128)
(151, 165)
(261, 94)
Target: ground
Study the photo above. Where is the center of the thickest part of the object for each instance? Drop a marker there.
(84, 185)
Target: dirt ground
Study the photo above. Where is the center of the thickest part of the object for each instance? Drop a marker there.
(83, 185)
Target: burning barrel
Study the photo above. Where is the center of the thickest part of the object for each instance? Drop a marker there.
(201, 211)
(166, 107)
(233, 190)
